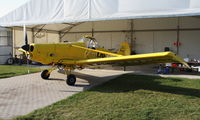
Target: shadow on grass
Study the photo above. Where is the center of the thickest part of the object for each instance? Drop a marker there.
(131, 83)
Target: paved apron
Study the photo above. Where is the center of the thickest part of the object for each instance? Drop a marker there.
(23, 94)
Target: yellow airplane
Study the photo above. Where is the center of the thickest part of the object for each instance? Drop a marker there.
(77, 55)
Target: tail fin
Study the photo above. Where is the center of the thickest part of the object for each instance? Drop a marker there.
(125, 49)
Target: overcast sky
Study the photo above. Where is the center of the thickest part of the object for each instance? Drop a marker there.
(8, 5)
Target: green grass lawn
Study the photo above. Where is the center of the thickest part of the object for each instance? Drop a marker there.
(129, 97)
(12, 70)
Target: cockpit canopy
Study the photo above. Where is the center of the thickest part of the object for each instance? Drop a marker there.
(89, 41)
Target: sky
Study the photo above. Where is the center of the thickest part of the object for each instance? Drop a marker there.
(7, 6)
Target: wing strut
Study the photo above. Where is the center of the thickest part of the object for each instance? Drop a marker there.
(98, 51)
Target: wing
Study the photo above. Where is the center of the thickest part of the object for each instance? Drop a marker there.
(150, 58)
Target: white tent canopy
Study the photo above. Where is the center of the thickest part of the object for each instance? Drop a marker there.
(70, 11)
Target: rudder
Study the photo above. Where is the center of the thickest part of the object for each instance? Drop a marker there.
(125, 49)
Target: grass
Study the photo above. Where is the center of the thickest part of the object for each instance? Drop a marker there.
(129, 97)
(12, 70)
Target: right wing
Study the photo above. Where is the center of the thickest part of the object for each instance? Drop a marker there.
(150, 58)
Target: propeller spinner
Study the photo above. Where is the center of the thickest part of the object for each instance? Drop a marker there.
(26, 47)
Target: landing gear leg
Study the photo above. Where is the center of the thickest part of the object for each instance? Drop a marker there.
(46, 73)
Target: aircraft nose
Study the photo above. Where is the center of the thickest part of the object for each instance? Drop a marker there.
(26, 47)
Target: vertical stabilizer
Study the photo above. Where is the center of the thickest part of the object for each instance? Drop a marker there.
(125, 49)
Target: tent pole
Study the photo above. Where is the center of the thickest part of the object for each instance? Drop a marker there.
(13, 41)
(178, 36)
(132, 41)
(92, 29)
(60, 37)
(39, 30)
(33, 37)
(24, 29)
(92, 32)
(26, 43)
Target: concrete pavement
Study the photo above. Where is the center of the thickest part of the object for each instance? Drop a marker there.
(23, 94)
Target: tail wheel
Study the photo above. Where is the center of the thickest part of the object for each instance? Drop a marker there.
(71, 80)
(45, 74)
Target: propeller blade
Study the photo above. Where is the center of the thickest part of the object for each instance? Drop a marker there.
(26, 39)
(26, 47)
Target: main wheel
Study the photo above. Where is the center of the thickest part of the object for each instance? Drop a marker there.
(45, 74)
(71, 80)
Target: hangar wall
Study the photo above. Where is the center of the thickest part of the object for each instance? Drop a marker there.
(147, 35)
(42, 37)
(108, 40)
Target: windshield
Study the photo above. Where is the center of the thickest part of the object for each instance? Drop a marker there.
(84, 40)
(89, 41)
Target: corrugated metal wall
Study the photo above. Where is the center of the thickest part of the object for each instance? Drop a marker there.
(5, 45)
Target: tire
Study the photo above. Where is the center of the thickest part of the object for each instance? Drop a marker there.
(71, 80)
(10, 61)
(45, 75)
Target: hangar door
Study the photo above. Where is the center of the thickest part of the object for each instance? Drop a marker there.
(5, 45)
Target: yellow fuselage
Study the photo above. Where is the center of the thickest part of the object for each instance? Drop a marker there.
(53, 53)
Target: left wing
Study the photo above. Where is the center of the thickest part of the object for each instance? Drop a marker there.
(162, 57)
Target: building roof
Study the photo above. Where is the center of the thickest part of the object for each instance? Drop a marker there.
(40, 12)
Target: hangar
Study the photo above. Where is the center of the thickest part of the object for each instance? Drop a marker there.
(147, 26)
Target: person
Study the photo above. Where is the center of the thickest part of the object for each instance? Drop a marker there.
(167, 70)
(174, 66)
(160, 69)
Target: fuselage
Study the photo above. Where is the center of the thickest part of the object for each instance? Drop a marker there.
(53, 53)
